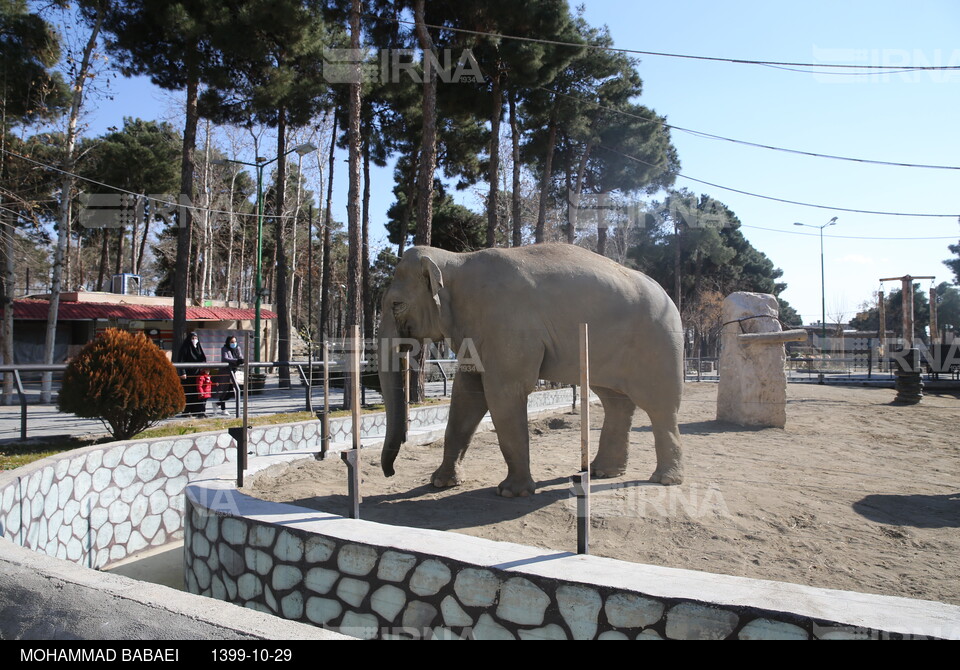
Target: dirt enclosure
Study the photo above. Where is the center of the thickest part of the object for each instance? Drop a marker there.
(856, 493)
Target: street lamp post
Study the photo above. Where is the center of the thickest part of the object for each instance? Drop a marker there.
(823, 292)
(301, 150)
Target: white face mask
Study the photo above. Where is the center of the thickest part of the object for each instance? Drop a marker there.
(194, 340)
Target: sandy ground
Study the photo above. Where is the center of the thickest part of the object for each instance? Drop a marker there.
(856, 493)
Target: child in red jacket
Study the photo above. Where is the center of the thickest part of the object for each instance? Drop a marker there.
(204, 388)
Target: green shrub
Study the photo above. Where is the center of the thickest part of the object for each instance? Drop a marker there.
(124, 380)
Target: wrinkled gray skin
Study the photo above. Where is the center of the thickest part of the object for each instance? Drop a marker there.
(522, 308)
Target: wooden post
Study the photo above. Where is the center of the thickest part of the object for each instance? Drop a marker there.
(934, 332)
(907, 321)
(584, 404)
(352, 457)
(882, 328)
(325, 415)
(581, 480)
(405, 376)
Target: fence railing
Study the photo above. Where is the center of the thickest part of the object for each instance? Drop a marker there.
(23, 384)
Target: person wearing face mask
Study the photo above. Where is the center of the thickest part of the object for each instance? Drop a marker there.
(229, 353)
(192, 352)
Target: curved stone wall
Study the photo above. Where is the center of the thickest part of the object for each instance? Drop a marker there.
(97, 505)
(377, 581)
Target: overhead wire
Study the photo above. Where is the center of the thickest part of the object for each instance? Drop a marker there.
(783, 200)
(124, 191)
(699, 133)
(869, 69)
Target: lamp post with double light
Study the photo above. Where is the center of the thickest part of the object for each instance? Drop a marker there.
(823, 293)
(302, 150)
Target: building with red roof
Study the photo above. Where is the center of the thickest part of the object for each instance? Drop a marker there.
(83, 314)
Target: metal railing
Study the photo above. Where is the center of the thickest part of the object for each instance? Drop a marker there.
(26, 384)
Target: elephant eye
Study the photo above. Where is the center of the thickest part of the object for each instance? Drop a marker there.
(399, 308)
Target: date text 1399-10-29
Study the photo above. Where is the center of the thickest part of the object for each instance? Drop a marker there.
(239, 654)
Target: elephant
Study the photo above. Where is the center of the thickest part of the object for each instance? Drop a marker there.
(520, 310)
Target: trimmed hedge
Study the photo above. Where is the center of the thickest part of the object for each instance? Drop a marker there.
(123, 379)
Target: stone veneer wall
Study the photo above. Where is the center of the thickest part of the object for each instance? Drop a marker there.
(372, 580)
(98, 505)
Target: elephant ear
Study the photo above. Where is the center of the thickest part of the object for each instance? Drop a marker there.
(434, 278)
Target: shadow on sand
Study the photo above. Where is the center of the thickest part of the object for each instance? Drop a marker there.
(917, 511)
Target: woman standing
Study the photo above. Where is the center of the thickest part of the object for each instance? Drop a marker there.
(192, 352)
(228, 354)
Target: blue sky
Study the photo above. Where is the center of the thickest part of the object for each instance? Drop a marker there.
(901, 117)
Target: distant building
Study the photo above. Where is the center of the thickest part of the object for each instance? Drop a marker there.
(82, 315)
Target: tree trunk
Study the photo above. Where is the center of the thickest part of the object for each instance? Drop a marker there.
(493, 175)
(428, 151)
(515, 196)
(184, 215)
(578, 194)
(118, 262)
(6, 346)
(540, 232)
(327, 222)
(104, 256)
(66, 195)
(354, 297)
(280, 303)
(365, 239)
(146, 233)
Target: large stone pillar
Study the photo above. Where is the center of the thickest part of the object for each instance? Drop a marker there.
(753, 382)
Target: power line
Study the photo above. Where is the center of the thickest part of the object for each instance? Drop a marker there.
(849, 237)
(868, 69)
(775, 199)
(191, 206)
(699, 133)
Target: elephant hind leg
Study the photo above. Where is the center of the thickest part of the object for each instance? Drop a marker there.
(618, 409)
(666, 436)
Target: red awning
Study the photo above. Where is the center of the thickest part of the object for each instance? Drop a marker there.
(36, 310)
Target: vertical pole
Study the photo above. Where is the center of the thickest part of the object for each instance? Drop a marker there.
(23, 404)
(355, 384)
(258, 298)
(934, 326)
(823, 309)
(352, 457)
(584, 405)
(325, 421)
(882, 328)
(907, 295)
(240, 433)
(581, 480)
(405, 375)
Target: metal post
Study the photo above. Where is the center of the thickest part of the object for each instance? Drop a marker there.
(258, 299)
(23, 404)
(581, 480)
(245, 423)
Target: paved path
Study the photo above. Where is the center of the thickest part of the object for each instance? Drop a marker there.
(44, 420)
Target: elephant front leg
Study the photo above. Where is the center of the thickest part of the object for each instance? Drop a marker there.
(508, 409)
(467, 407)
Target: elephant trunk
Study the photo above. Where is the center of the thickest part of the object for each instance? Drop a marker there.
(391, 387)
